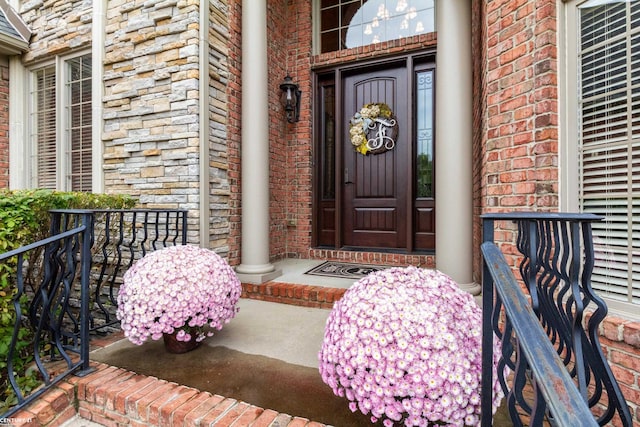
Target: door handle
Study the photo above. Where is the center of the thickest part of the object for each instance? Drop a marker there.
(346, 176)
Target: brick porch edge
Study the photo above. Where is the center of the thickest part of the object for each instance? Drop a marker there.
(116, 397)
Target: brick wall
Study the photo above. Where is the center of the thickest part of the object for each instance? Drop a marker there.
(4, 123)
(282, 173)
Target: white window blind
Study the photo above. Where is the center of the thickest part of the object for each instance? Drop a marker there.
(609, 142)
(45, 127)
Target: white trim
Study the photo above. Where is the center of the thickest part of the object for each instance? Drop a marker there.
(203, 106)
(97, 87)
(62, 154)
(613, 271)
(19, 146)
(61, 101)
(568, 132)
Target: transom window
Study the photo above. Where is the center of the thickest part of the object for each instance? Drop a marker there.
(61, 125)
(345, 24)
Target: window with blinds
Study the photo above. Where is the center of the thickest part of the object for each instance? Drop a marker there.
(61, 95)
(609, 141)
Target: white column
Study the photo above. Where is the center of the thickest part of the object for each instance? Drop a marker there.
(454, 191)
(254, 253)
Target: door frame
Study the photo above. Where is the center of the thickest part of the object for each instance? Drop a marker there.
(336, 75)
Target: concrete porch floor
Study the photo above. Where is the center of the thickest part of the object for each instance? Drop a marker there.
(267, 356)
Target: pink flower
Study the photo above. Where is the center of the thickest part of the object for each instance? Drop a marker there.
(176, 287)
(412, 343)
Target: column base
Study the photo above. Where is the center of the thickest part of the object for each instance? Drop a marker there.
(473, 288)
(256, 276)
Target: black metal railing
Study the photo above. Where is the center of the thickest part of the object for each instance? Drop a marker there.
(66, 286)
(39, 337)
(550, 347)
(119, 238)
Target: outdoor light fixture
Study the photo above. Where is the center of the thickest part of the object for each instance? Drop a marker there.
(290, 99)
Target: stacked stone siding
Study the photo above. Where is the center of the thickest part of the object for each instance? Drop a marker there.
(151, 101)
(234, 111)
(58, 27)
(219, 181)
(151, 109)
(151, 121)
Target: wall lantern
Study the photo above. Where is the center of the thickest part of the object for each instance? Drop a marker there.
(290, 99)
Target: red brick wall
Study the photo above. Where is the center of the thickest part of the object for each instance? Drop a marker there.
(4, 126)
(281, 21)
(299, 136)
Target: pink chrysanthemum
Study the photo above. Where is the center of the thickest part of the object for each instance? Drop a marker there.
(404, 346)
(174, 288)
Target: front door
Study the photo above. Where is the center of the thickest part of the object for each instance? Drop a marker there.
(385, 199)
(374, 192)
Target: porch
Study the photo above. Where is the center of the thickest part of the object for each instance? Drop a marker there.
(141, 385)
(260, 369)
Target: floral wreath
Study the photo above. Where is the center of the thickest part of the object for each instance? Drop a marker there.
(373, 129)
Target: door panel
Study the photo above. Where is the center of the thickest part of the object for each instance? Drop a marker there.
(374, 187)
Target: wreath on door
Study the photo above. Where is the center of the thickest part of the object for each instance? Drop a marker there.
(373, 129)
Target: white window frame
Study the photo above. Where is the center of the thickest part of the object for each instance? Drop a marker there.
(63, 160)
(570, 154)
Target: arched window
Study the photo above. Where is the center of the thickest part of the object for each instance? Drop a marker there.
(346, 24)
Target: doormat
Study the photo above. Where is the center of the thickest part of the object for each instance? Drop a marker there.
(345, 270)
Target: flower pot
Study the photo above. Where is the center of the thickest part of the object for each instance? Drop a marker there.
(173, 345)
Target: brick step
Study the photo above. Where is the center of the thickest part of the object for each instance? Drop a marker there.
(293, 294)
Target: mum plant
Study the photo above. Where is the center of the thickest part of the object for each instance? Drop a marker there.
(404, 345)
(177, 289)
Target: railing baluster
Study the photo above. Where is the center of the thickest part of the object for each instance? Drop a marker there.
(557, 262)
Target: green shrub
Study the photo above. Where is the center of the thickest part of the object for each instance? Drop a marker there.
(25, 219)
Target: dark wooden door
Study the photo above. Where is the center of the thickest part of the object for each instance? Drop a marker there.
(374, 186)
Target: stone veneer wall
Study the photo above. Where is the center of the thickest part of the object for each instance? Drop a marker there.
(58, 28)
(219, 165)
(151, 104)
(4, 123)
